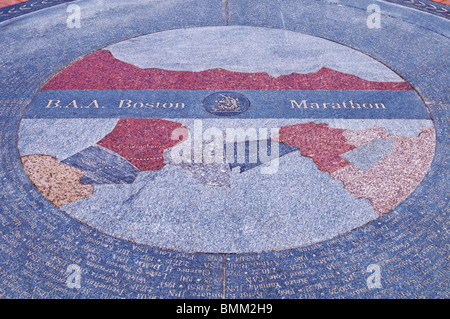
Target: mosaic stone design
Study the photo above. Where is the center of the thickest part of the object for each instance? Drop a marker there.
(101, 71)
(227, 202)
(39, 242)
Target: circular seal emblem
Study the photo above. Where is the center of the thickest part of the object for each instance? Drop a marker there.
(125, 141)
(226, 103)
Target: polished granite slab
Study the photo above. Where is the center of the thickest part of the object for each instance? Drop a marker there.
(105, 195)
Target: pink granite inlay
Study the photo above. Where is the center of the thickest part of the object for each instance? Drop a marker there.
(394, 177)
(358, 138)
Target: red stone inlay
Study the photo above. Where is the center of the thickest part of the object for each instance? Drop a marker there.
(7, 3)
(319, 142)
(101, 71)
(142, 141)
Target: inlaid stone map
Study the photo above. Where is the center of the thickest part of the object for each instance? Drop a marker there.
(157, 147)
(224, 149)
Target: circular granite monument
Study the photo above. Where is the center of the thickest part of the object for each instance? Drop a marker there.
(224, 149)
(226, 139)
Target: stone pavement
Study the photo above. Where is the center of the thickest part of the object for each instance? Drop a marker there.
(224, 149)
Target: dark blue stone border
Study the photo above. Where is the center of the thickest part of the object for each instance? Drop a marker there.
(38, 241)
(19, 9)
(426, 6)
(35, 5)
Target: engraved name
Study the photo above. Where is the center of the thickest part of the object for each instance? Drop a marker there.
(305, 104)
(123, 104)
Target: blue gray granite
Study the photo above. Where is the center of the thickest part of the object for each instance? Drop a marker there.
(283, 53)
(61, 138)
(38, 241)
(174, 210)
(366, 156)
(266, 150)
(102, 166)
